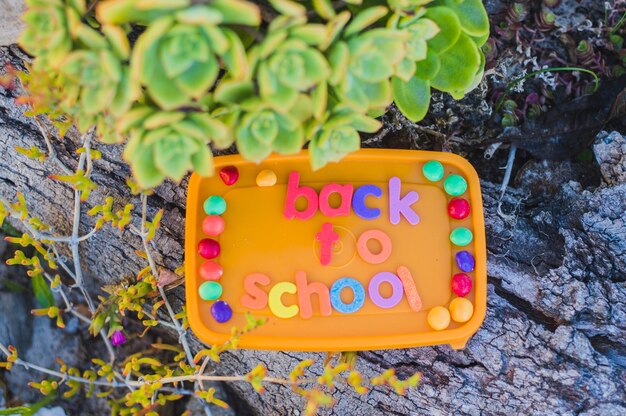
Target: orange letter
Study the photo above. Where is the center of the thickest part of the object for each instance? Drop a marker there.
(415, 301)
(255, 298)
(305, 290)
(364, 251)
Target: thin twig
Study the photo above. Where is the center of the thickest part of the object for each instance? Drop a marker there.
(142, 234)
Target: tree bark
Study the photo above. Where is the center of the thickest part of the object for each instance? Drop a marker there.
(553, 341)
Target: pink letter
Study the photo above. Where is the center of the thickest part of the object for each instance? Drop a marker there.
(305, 290)
(255, 297)
(293, 193)
(346, 199)
(401, 205)
(326, 237)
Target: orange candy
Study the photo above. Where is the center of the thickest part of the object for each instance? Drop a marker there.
(461, 310)
(213, 225)
(438, 318)
(210, 270)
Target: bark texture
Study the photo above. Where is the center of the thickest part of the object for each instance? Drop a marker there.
(553, 341)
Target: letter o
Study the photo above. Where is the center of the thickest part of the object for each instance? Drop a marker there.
(396, 293)
(364, 251)
(357, 289)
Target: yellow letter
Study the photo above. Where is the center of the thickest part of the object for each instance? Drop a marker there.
(276, 305)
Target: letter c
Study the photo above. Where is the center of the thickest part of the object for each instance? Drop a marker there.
(277, 307)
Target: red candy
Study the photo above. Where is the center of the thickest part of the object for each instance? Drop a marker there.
(458, 208)
(461, 284)
(209, 248)
(213, 225)
(210, 270)
(229, 174)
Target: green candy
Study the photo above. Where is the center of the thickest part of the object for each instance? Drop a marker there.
(461, 236)
(210, 290)
(214, 205)
(455, 185)
(433, 170)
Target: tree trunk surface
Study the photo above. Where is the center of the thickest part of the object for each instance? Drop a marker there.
(553, 340)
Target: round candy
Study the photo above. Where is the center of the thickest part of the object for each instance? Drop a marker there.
(213, 225)
(458, 208)
(455, 185)
(266, 177)
(461, 284)
(209, 248)
(229, 175)
(221, 311)
(210, 270)
(210, 290)
(461, 310)
(433, 170)
(438, 318)
(214, 205)
(465, 261)
(461, 236)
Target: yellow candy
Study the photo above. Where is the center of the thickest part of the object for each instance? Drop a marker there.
(461, 310)
(438, 318)
(266, 178)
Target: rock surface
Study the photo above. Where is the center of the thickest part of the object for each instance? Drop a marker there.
(10, 23)
(553, 341)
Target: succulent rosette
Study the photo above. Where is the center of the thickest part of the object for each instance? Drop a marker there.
(49, 29)
(265, 130)
(178, 58)
(289, 68)
(101, 80)
(168, 144)
(339, 135)
(363, 65)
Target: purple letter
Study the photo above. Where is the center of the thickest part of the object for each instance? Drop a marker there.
(401, 205)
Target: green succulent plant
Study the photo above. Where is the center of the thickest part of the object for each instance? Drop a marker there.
(166, 144)
(50, 29)
(339, 135)
(101, 79)
(364, 61)
(266, 130)
(454, 61)
(178, 57)
(286, 68)
(197, 72)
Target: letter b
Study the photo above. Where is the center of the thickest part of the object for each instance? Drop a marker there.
(294, 191)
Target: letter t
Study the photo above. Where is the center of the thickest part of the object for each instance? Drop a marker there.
(326, 237)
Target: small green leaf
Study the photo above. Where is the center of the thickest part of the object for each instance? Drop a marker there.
(459, 66)
(473, 17)
(324, 8)
(233, 92)
(429, 67)
(42, 291)
(364, 19)
(288, 7)
(412, 98)
(237, 12)
(449, 28)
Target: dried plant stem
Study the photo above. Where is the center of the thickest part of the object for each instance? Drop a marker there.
(182, 338)
(198, 377)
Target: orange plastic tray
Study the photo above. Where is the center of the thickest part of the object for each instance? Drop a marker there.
(259, 238)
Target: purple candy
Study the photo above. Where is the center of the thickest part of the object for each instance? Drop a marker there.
(221, 311)
(465, 261)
